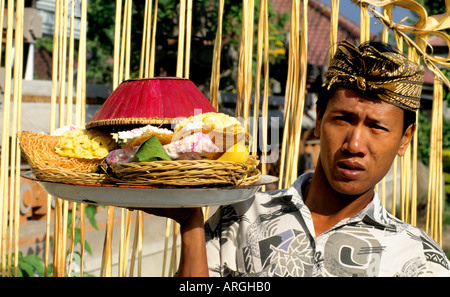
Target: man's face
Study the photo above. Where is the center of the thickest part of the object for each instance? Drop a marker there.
(360, 138)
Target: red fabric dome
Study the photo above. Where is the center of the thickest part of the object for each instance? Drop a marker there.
(151, 101)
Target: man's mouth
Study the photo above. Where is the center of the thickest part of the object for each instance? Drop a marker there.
(350, 169)
(350, 165)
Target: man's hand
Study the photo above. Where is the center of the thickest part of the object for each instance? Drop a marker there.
(181, 215)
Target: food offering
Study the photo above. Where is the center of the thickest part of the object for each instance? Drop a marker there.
(155, 142)
(205, 150)
(69, 154)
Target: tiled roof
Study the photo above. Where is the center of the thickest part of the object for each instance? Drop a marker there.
(319, 15)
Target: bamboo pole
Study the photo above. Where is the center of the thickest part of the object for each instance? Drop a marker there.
(129, 13)
(364, 23)
(81, 71)
(259, 61)
(181, 38)
(5, 134)
(145, 41)
(244, 85)
(166, 245)
(117, 29)
(80, 110)
(106, 268)
(265, 105)
(334, 20)
(261, 65)
(291, 99)
(187, 59)
(435, 193)
(293, 37)
(301, 85)
(70, 64)
(69, 119)
(153, 46)
(82, 236)
(215, 72)
(15, 150)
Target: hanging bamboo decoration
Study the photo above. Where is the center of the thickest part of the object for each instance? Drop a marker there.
(14, 198)
(262, 64)
(63, 65)
(148, 41)
(295, 95)
(122, 52)
(146, 70)
(300, 98)
(69, 120)
(80, 109)
(334, 20)
(6, 114)
(435, 196)
(293, 40)
(55, 62)
(124, 68)
(106, 267)
(364, 23)
(215, 71)
(182, 70)
(385, 39)
(5, 135)
(245, 73)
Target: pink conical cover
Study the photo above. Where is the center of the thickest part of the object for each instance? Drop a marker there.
(151, 101)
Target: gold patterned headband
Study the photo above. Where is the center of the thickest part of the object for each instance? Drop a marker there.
(388, 76)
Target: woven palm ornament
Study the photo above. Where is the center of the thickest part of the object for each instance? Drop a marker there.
(388, 76)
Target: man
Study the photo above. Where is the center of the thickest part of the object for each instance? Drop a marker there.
(330, 222)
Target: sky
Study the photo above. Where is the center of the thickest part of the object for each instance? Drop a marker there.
(351, 11)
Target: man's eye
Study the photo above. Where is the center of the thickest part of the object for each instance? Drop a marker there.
(378, 127)
(343, 118)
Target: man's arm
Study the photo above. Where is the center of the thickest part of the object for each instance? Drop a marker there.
(193, 260)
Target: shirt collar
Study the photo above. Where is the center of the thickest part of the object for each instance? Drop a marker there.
(374, 214)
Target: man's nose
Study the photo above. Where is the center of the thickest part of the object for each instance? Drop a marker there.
(355, 143)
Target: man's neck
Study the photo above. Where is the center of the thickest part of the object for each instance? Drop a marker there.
(329, 207)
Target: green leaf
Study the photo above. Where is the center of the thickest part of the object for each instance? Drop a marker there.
(87, 247)
(27, 269)
(36, 262)
(151, 150)
(90, 212)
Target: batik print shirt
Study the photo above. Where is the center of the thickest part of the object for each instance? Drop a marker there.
(272, 234)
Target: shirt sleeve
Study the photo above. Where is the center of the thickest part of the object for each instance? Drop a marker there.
(212, 236)
(220, 243)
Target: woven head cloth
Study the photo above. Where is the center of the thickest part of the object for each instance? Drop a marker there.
(388, 76)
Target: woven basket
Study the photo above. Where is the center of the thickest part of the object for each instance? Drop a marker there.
(66, 176)
(46, 164)
(183, 173)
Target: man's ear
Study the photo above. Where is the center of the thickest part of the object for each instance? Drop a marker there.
(406, 139)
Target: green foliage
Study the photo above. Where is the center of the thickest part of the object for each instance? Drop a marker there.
(100, 41)
(446, 92)
(90, 212)
(101, 27)
(46, 42)
(446, 169)
(28, 266)
(424, 128)
(433, 6)
(33, 265)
